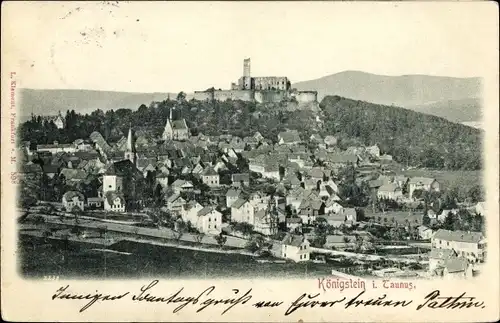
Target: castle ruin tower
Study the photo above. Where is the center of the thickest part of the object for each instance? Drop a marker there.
(246, 67)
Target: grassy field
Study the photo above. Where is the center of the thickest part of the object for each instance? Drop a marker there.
(449, 178)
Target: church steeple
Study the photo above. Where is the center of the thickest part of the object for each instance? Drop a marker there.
(130, 145)
(130, 152)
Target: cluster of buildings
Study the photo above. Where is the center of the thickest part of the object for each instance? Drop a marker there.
(455, 253)
(217, 183)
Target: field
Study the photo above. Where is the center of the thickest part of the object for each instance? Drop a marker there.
(464, 180)
(78, 261)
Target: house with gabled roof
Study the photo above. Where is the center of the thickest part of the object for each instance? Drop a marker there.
(240, 180)
(209, 220)
(290, 137)
(210, 177)
(232, 196)
(390, 191)
(265, 222)
(470, 245)
(174, 203)
(295, 247)
(73, 199)
(114, 201)
(242, 211)
(423, 184)
(181, 185)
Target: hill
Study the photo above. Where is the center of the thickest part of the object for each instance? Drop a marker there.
(412, 138)
(461, 111)
(50, 102)
(405, 90)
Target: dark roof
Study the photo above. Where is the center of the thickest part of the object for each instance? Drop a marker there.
(205, 210)
(209, 171)
(233, 193)
(71, 194)
(111, 196)
(240, 177)
(238, 203)
(31, 168)
(121, 168)
(48, 168)
(179, 124)
(289, 136)
(293, 240)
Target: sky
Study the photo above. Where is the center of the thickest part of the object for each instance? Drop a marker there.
(172, 47)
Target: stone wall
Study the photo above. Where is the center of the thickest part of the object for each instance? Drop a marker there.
(203, 95)
(270, 96)
(244, 95)
(305, 96)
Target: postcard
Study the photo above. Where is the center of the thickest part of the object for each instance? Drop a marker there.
(249, 161)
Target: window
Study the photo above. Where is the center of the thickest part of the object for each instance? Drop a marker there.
(209, 219)
(109, 186)
(215, 226)
(209, 226)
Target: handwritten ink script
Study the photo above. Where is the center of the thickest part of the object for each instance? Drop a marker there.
(180, 299)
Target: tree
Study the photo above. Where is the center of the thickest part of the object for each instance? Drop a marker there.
(199, 237)
(180, 228)
(448, 221)
(476, 194)
(181, 97)
(221, 240)
(426, 220)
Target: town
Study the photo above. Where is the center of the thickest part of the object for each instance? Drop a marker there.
(297, 197)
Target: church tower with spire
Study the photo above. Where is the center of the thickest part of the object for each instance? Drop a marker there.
(130, 151)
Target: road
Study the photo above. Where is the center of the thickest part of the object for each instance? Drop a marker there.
(164, 233)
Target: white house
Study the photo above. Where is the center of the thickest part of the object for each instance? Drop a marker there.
(242, 211)
(209, 221)
(265, 223)
(114, 201)
(422, 183)
(210, 177)
(295, 247)
(425, 233)
(390, 191)
(73, 199)
(181, 185)
(469, 245)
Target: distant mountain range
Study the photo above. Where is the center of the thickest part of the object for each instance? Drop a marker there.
(50, 102)
(456, 99)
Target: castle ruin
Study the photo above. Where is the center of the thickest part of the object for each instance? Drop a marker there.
(264, 89)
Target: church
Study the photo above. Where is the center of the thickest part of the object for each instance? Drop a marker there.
(175, 129)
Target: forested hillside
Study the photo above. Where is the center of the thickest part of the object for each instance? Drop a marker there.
(412, 138)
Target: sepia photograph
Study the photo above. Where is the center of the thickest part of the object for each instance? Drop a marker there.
(185, 141)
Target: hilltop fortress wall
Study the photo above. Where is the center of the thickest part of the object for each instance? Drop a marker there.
(259, 96)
